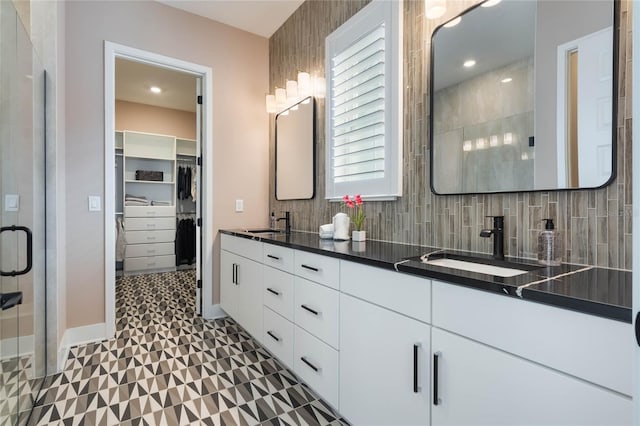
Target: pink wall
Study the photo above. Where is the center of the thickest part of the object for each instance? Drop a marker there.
(239, 61)
(153, 119)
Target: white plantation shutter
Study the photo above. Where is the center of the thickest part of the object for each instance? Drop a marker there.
(364, 104)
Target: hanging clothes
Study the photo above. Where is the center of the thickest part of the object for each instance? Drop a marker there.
(185, 246)
(121, 241)
(186, 177)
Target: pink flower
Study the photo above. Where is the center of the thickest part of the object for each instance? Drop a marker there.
(358, 200)
(350, 204)
(345, 198)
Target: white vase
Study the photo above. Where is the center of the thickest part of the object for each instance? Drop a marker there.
(359, 236)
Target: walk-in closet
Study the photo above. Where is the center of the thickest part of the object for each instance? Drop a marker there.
(157, 179)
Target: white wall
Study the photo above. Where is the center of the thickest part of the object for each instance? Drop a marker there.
(240, 125)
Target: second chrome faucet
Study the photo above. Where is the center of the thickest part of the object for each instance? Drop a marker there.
(498, 236)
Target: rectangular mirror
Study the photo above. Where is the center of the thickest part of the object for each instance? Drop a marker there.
(295, 152)
(524, 97)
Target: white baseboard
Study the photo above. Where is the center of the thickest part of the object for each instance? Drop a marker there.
(211, 312)
(16, 346)
(78, 336)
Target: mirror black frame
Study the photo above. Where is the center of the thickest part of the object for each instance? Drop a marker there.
(614, 109)
(313, 150)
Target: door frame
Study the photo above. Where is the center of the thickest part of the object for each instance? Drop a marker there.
(111, 52)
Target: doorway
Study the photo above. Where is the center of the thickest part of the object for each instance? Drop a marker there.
(156, 173)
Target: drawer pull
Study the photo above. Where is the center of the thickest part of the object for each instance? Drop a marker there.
(311, 268)
(273, 257)
(311, 366)
(436, 357)
(416, 348)
(273, 336)
(270, 290)
(308, 309)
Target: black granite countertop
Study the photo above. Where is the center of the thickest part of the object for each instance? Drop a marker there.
(587, 289)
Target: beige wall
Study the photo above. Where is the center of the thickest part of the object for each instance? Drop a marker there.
(153, 119)
(239, 61)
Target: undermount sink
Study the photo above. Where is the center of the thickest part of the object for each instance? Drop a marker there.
(264, 231)
(499, 268)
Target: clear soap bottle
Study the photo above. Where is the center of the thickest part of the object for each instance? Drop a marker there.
(549, 245)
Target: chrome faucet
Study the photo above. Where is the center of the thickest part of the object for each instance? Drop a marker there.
(498, 236)
(287, 222)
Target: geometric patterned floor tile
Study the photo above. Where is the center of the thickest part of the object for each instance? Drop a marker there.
(167, 366)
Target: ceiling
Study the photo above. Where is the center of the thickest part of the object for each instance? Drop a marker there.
(261, 17)
(134, 80)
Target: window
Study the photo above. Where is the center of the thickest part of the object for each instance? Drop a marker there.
(364, 104)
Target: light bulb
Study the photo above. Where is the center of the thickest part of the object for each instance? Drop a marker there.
(271, 103)
(281, 97)
(319, 87)
(304, 84)
(434, 9)
(292, 90)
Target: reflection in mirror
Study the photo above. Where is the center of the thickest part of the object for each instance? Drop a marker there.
(524, 97)
(295, 152)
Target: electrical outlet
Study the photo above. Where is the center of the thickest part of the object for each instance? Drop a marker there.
(239, 206)
(94, 203)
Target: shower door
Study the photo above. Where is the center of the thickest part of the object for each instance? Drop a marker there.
(22, 206)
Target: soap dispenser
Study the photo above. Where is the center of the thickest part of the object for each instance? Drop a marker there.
(272, 223)
(549, 245)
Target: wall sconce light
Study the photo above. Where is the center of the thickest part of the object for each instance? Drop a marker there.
(294, 91)
(467, 146)
(508, 138)
(493, 140)
(434, 9)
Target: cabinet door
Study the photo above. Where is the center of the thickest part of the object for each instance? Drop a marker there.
(228, 290)
(249, 286)
(377, 370)
(480, 385)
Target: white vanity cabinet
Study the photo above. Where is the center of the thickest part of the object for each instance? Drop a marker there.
(384, 354)
(500, 360)
(480, 385)
(241, 282)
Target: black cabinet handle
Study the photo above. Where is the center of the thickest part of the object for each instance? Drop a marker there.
(9, 300)
(270, 290)
(233, 273)
(311, 268)
(308, 309)
(27, 268)
(416, 349)
(638, 328)
(311, 366)
(436, 357)
(273, 336)
(273, 257)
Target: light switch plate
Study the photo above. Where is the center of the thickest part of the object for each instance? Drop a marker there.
(11, 202)
(239, 206)
(94, 203)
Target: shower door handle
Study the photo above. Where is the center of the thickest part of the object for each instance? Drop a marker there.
(27, 231)
(9, 300)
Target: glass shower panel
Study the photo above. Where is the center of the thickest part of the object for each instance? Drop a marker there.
(22, 224)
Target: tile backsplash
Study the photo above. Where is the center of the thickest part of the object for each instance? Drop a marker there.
(596, 224)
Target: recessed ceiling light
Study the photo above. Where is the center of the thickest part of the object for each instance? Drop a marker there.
(469, 63)
(506, 80)
(453, 22)
(155, 89)
(490, 3)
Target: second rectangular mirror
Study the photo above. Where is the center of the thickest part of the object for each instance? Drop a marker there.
(295, 152)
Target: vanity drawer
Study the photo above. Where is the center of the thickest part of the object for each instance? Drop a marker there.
(149, 263)
(242, 247)
(149, 211)
(595, 349)
(321, 269)
(149, 223)
(317, 364)
(142, 250)
(278, 291)
(316, 310)
(142, 237)
(406, 294)
(278, 336)
(278, 257)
